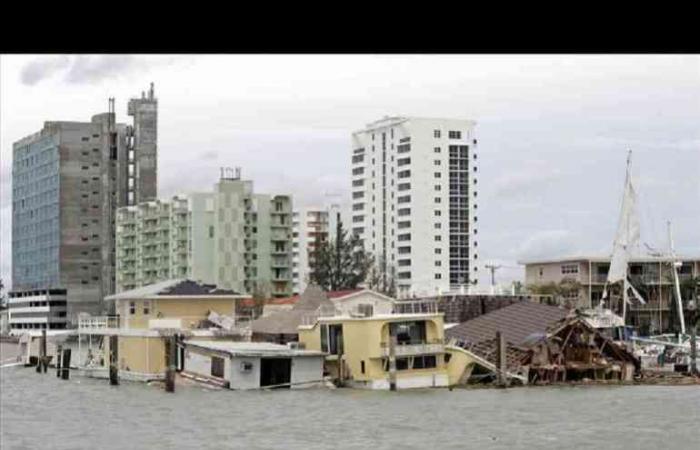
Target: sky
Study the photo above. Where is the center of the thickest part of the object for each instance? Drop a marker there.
(553, 132)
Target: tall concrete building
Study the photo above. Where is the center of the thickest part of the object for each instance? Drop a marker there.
(310, 226)
(231, 237)
(414, 200)
(67, 181)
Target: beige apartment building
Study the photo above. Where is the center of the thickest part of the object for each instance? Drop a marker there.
(651, 276)
(231, 237)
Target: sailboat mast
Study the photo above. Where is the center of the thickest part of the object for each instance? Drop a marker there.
(676, 282)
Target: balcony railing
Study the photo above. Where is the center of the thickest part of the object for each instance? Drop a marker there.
(415, 348)
(98, 322)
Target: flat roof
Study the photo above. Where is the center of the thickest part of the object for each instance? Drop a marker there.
(607, 258)
(251, 348)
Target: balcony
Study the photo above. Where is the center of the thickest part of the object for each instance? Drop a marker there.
(417, 348)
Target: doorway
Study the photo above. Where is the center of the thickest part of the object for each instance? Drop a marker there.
(274, 371)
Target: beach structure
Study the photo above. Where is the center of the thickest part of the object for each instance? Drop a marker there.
(283, 326)
(252, 365)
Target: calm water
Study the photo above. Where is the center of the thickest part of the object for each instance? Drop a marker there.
(41, 411)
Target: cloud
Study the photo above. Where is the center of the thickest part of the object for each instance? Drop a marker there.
(41, 68)
(86, 69)
(549, 243)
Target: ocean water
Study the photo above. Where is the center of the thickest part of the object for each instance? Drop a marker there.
(41, 411)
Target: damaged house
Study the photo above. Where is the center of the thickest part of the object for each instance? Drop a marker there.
(543, 343)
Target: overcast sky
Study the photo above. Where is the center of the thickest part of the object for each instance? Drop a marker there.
(553, 131)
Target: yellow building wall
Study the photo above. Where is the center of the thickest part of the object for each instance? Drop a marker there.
(139, 354)
(192, 311)
(460, 366)
(362, 341)
(142, 354)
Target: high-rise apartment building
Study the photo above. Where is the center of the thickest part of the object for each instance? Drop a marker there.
(311, 226)
(231, 237)
(67, 181)
(414, 200)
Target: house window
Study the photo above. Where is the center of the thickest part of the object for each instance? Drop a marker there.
(146, 307)
(455, 135)
(132, 308)
(436, 133)
(362, 366)
(569, 269)
(217, 367)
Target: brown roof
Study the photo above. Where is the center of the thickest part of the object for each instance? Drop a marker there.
(287, 322)
(517, 322)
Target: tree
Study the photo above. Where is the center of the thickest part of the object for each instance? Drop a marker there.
(382, 278)
(341, 264)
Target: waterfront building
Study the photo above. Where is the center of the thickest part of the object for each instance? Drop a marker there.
(252, 365)
(231, 237)
(282, 326)
(67, 181)
(359, 345)
(311, 226)
(586, 277)
(414, 200)
(36, 310)
(144, 318)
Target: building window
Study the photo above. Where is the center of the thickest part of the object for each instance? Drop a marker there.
(438, 175)
(362, 366)
(438, 238)
(438, 276)
(436, 133)
(437, 150)
(438, 251)
(455, 135)
(438, 225)
(438, 199)
(438, 263)
(436, 162)
(569, 269)
(438, 213)
(132, 308)
(438, 187)
(146, 307)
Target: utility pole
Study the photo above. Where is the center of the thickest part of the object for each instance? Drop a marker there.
(493, 268)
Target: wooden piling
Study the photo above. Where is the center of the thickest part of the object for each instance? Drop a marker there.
(170, 359)
(392, 363)
(59, 355)
(65, 366)
(693, 342)
(501, 366)
(114, 360)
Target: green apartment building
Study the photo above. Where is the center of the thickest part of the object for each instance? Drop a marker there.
(230, 237)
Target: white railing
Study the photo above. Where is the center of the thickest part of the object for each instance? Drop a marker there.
(415, 307)
(98, 322)
(420, 348)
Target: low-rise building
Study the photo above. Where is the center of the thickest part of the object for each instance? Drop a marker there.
(584, 278)
(361, 345)
(252, 365)
(282, 326)
(40, 309)
(145, 317)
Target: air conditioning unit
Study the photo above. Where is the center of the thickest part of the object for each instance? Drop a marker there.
(246, 366)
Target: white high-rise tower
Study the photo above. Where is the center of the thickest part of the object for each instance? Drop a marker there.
(414, 200)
